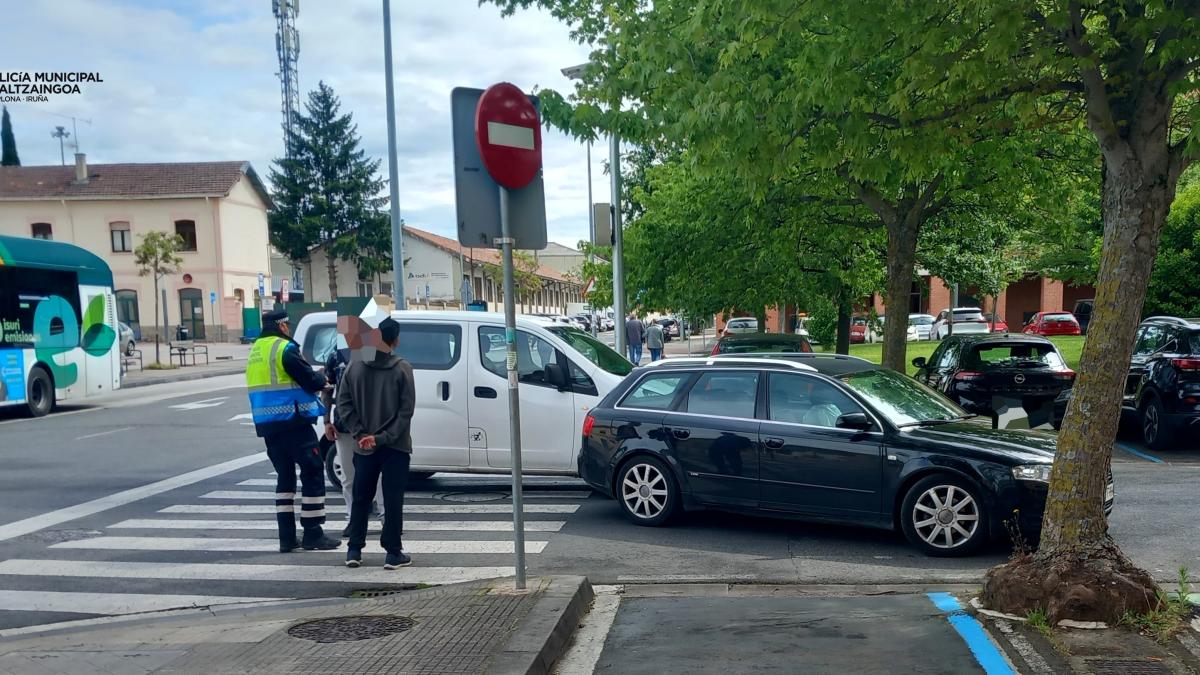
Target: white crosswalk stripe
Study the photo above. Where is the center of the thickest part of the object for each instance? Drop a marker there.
(189, 549)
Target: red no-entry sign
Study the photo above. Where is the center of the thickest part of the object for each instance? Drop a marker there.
(509, 135)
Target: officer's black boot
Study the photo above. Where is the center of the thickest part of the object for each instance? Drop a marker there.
(315, 540)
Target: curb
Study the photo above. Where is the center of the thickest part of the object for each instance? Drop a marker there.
(543, 635)
(184, 377)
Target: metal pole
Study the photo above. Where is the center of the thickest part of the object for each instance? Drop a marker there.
(393, 171)
(591, 228)
(166, 326)
(514, 402)
(618, 265)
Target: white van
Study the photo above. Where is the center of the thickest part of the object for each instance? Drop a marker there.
(461, 422)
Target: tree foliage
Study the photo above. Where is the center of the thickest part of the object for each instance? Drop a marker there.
(1174, 288)
(158, 256)
(328, 193)
(8, 142)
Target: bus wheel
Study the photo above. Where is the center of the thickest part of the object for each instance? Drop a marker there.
(39, 393)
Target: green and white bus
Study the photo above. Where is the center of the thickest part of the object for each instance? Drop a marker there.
(58, 325)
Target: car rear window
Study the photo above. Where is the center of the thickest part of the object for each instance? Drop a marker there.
(724, 394)
(920, 320)
(1195, 340)
(1058, 318)
(655, 392)
(999, 355)
(782, 344)
(968, 315)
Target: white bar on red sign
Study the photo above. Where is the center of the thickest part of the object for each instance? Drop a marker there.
(510, 135)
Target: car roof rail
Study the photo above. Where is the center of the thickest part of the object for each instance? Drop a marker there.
(781, 356)
(1169, 319)
(722, 360)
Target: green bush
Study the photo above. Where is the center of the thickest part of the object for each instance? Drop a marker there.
(822, 322)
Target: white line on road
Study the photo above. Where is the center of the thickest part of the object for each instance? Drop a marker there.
(108, 603)
(408, 508)
(22, 527)
(415, 494)
(268, 545)
(251, 573)
(1032, 658)
(104, 433)
(584, 653)
(461, 525)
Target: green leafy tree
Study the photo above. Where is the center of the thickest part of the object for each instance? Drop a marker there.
(156, 257)
(1174, 288)
(8, 143)
(328, 193)
(526, 281)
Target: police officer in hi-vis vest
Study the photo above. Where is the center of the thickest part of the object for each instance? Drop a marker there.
(284, 404)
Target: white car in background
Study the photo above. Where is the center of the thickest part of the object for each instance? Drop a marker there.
(741, 325)
(923, 324)
(967, 321)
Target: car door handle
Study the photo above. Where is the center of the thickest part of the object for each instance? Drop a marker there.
(444, 390)
(680, 433)
(485, 392)
(773, 443)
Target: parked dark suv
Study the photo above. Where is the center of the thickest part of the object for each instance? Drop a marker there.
(813, 436)
(1164, 380)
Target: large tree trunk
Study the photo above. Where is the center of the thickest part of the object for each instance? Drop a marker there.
(1078, 571)
(844, 302)
(331, 266)
(901, 259)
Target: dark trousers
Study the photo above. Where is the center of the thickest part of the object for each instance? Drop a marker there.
(285, 459)
(393, 465)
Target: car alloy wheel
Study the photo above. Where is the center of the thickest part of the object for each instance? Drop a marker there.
(1153, 431)
(646, 491)
(943, 516)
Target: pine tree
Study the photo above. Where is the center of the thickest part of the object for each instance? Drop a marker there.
(8, 143)
(328, 192)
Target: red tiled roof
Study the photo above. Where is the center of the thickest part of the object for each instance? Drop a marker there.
(127, 181)
(484, 255)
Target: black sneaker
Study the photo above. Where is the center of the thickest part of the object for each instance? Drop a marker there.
(354, 558)
(396, 561)
(323, 544)
(288, 548)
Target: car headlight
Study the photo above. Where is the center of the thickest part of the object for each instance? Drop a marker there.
(1034, 472)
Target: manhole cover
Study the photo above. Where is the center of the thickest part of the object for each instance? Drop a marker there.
(1128, 667)
(350, 628)
(472, 496)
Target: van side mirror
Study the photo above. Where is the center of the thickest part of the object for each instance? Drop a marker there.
(556, 376)
(919, 362)
(854, 420)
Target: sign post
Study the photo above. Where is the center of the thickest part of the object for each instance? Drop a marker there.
(508, 134)
(284, 291)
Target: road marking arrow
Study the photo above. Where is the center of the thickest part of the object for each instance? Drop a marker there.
(243, 416)
(197, 405)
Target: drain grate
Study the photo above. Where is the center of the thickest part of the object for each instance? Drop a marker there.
(1128, 667)
(380, 592)
(469, 497)
(351, 628)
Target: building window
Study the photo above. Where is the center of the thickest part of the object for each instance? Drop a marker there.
(385, 288)
(366, 289)
(122, 241)
(240, 296)
(42, 231)
(186, 229)
(127, 310)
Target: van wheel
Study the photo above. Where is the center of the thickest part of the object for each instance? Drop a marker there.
(944, 516)
(333, 464)
(647, 492)
(39, 393)
(420, 475)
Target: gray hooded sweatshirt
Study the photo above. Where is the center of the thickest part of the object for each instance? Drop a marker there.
(377, 397)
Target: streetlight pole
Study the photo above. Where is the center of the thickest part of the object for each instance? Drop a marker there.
(393, 171)
(618, 264)
(591, 229)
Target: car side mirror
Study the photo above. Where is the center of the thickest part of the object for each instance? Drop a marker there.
(854, 420)
(919, 362)
(556, 376)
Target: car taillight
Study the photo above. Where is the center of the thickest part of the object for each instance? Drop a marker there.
(968, 375)
(588, 423)
(1186, 364)
(1068, 375)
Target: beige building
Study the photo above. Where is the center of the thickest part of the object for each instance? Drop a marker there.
(434, 271)
(563, 259)
(218, 208)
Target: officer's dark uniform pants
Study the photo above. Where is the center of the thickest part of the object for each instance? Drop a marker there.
(285, 457)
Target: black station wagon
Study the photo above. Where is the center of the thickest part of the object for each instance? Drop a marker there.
(813, 436)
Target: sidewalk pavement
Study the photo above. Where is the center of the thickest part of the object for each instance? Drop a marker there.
(223, 359)
(477, 627)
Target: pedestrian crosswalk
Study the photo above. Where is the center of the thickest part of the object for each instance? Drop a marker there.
(220, 546)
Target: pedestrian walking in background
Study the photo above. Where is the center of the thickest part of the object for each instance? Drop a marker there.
(635, 334)
(283, 392)
(654, 341)
(335, 367)
(375, 401)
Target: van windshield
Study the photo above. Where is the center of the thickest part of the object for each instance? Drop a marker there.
(593, 350)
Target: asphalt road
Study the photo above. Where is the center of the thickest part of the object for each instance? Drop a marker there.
(142, 548)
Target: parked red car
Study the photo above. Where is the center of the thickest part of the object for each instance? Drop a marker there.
(1052, 323)
(1000, 326)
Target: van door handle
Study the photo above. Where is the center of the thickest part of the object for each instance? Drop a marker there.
(680, 433)
(773, 443)
(485, 392)
(444, 390)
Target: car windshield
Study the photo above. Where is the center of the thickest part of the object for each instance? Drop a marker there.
(1013, 354)
(922, 320)
(779, 344)
(900, 399)
(594, 350)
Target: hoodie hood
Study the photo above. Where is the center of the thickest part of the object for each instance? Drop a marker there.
(383, 360)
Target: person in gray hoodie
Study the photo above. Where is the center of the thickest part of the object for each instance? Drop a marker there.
(375, 401)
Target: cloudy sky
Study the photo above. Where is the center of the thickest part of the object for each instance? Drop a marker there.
(190, 80)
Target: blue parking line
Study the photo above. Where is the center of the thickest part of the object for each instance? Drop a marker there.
(1138, 453)
(971, 631)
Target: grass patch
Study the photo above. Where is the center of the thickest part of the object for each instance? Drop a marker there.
(1038, 620)
(1071, 347)
(161, 366)
(1172, 616)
